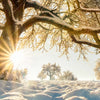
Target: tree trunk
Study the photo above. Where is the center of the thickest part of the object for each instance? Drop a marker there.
(10, 34)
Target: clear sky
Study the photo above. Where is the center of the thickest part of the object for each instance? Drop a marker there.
(83, 70)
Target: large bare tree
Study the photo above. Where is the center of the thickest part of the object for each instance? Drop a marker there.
(64, 23)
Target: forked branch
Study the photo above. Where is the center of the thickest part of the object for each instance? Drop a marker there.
(86, 9)
(84, 42)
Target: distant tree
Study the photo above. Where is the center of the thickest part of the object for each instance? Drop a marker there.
(50, 70)
(97, 70)
(67, 75)
(42, 75)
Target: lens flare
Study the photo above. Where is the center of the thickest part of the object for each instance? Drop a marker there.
(18, 58)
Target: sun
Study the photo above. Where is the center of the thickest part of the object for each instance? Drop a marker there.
(22, 61)
(18, 59)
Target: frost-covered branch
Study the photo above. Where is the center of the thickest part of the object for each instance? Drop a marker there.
(1, 9)
(36, 5)
(86, 9)
(84, 42)
(7, 9)
(60, 23)
(96, 38)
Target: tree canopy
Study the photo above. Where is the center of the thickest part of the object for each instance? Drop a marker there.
(44, 24)
(50, 70)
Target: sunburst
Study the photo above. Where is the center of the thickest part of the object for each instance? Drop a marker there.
(17, 58)
(7, 49)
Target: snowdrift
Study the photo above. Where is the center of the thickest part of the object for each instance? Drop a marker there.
(50, 90)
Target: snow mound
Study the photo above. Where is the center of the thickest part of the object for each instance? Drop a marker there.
(50, 90)
(38, 97)
(84, 93)
(76, 98)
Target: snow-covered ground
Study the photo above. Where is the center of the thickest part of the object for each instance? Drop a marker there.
(50, 90)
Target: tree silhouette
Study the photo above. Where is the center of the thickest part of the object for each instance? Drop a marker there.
(50, 70)
(65, 23)
(97, 70)
(67, 75)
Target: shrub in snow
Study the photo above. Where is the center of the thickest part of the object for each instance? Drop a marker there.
(67, 75)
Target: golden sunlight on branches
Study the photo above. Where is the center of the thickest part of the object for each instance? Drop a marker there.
(44, 24)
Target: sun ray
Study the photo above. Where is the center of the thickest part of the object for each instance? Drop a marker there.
(6, 45)
(11, 59)
(4, 58)
(4, 54)
(4, 63)
(11, 40)
(4, 49)
(8, 66)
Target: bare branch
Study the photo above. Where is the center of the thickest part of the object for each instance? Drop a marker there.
(84, 42)
(97, 18)
(14, 3)
(61, 24)
(89, 9)
(2, 9)
(96, 38)
(86, 9)
(46, 17)
(8, 9)
(35, 5)
(43, 26)
(50, 17)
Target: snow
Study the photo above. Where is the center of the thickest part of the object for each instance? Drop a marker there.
(50, 90)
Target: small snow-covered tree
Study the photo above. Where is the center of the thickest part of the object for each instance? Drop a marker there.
(97, 70)
(67, 75)
(50, 70)
(41, 75)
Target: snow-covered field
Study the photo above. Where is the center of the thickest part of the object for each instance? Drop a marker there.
(50, 90)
